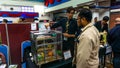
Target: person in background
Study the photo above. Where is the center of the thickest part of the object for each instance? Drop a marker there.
(69, 28)
(36, 20)
(88, 42)
(21, 20)
(113, 39)
(95, 20)
(102, 25)
(4, 21)
(50, 24)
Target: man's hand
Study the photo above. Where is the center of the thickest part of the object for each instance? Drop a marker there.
(68, 35)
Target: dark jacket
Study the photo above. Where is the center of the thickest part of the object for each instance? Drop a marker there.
(113, 38)
(98, 25)
(72, 28)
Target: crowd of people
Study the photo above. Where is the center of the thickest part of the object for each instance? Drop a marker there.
(82, 37)
(85, 52)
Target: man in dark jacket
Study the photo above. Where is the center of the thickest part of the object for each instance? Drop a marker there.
(69, 28)
(102, 25)
(114, 41)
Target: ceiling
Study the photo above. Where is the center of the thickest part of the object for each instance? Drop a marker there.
(31, 0)
(36, 0)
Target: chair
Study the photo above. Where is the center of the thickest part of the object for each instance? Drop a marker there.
(24, 65)
(24, 45)
(5, 50)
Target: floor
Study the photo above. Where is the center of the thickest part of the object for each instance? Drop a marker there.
(109, 61)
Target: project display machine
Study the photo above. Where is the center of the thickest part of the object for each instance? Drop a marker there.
(46, 46)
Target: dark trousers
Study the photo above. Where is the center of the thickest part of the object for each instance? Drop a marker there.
(116, 62)
(68, 45)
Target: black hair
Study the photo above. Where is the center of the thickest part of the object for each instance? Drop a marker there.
(105, 18)
(35, 19)
(23, 19)
(5, 20)
(86, 13)
(70, 9)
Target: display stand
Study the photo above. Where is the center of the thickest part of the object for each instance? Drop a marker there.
(46, 46)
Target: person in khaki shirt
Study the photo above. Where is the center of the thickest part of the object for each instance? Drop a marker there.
(88, 42)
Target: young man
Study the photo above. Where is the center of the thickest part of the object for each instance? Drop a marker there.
(69, 28)
(102, 25)
(88, 42)
(114, 41)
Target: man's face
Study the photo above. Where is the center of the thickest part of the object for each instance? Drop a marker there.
(70, 15)
(80, 21)
(117, 21)
(95, 19)
(104, 22)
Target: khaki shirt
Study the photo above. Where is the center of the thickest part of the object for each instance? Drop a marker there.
(88, 47)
